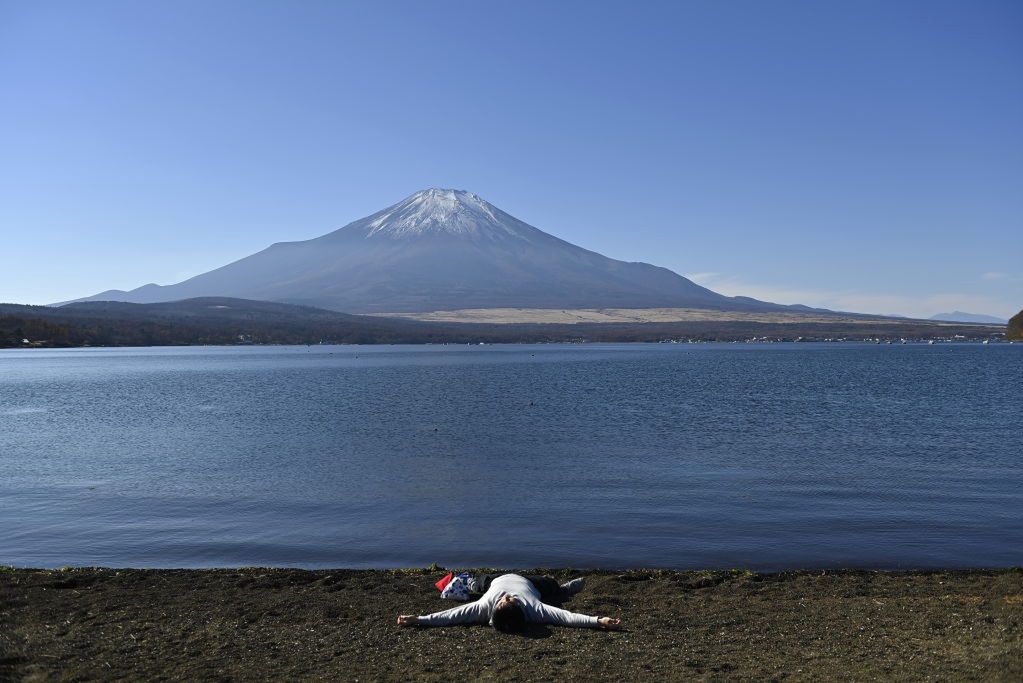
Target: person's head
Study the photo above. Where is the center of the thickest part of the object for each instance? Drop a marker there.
(508, 616)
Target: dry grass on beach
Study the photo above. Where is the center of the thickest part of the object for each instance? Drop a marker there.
(282, 624)
(564, 316)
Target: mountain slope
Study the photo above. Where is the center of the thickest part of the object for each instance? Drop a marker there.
(440, 250)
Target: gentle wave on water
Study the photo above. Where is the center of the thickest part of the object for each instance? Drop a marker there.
(21, 411)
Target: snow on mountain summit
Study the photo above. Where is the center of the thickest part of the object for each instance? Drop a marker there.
(437, 210)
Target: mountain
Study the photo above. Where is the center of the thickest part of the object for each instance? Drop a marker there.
(441, 250)
(960, 317)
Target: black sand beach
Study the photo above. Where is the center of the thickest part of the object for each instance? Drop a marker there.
(282, 624)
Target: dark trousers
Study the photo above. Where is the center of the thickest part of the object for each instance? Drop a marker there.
(550, 589)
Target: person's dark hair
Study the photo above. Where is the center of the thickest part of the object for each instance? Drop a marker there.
(509, 618)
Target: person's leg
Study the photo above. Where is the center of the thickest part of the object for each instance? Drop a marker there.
(572, 587)
(550, 591)
(481, 583)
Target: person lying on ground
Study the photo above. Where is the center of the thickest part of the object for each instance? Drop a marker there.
(511, 601)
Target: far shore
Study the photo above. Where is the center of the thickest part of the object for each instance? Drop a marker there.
(290, 624)
(220, 321)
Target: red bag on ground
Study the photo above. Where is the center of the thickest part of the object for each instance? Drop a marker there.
(443, 583)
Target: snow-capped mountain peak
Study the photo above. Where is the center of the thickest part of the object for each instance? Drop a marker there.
(437, 250)
(438, 210)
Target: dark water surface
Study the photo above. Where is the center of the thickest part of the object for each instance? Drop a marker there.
(766, 457)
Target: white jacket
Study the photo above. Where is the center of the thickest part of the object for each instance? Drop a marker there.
(481, 611)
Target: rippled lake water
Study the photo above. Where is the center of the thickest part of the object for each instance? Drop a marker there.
(767, 457)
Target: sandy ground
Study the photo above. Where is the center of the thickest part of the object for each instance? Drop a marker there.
(279, 624)
(623, 315)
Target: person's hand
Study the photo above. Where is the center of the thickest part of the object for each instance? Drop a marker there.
(609, 623)
(408, 620)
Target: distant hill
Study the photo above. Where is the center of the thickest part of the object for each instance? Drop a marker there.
(1015, 330)
(960, 317)
(215, 320)
(441, 250)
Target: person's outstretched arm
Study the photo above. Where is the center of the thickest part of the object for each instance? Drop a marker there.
(562, 617)
(470, 613)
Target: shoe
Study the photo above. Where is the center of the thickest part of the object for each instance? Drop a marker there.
(573, 586)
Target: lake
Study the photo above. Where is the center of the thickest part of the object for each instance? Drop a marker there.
(690, 456)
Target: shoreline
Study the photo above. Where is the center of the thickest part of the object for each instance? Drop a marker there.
(765, 341)
(339, 624)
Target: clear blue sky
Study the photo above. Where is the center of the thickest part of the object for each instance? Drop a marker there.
(858, 155)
